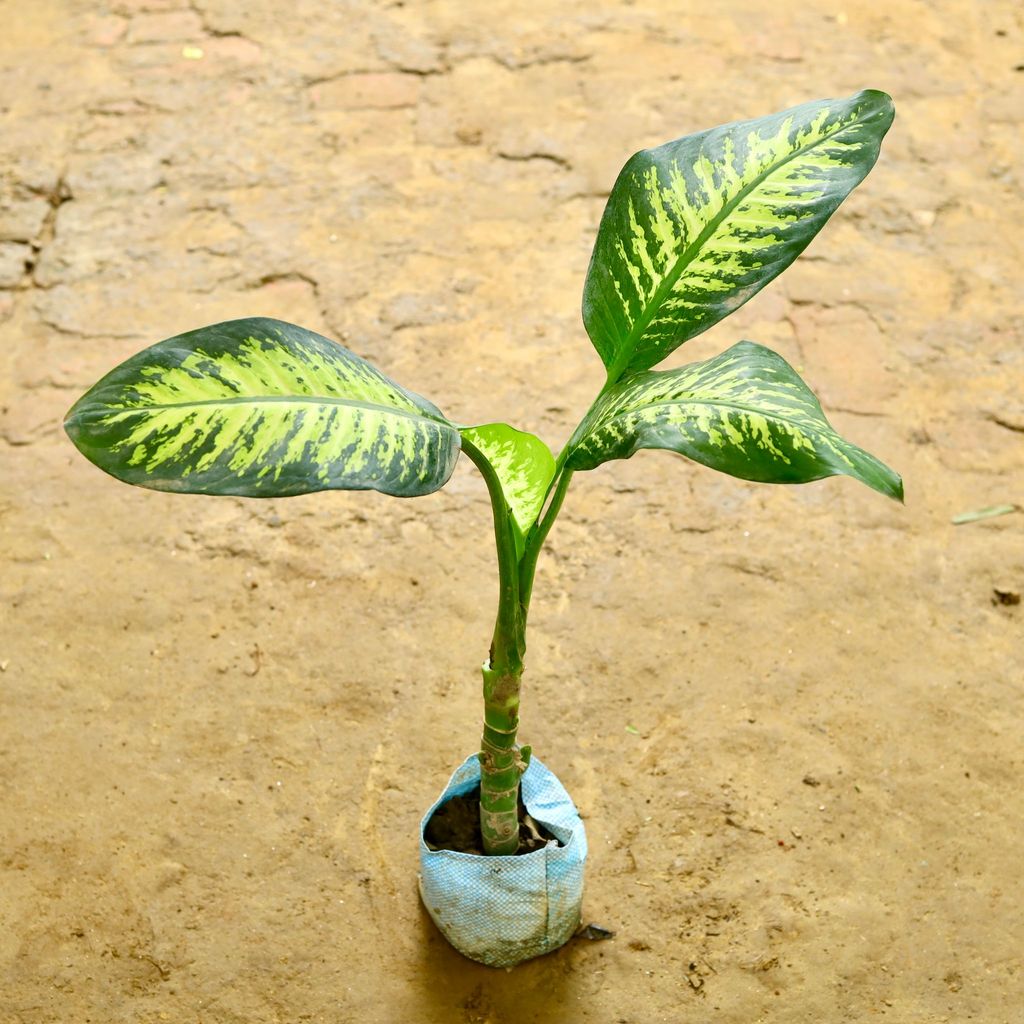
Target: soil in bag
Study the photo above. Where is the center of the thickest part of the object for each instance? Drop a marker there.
(455, 825)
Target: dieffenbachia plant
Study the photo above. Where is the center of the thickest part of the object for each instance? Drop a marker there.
(691, 231)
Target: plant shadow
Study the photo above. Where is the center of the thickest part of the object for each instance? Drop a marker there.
(456, 989)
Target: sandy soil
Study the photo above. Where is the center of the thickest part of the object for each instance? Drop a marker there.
(792, 717)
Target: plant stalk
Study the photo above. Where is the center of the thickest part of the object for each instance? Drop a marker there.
(502, 762)
(535, 541)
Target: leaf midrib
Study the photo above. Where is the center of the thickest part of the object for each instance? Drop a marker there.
(686, 257)
(272, 399)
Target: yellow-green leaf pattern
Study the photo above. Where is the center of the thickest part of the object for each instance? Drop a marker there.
(262, 408)
(696, 227)
(523, 465)
(745, 412)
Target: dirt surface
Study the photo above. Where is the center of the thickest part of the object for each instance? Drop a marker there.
(792, 717)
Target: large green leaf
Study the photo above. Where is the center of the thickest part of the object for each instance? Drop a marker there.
(696, 227)
(523, 465)
(262, 408)
(745, 412)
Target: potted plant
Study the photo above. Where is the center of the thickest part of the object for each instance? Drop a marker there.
(262, 408)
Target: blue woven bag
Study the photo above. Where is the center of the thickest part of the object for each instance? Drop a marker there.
(501, 911)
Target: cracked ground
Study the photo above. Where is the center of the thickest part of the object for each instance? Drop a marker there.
(792, 717)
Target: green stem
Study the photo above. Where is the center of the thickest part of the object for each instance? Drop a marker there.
(507, 627)
(501, 761)
(539, 534)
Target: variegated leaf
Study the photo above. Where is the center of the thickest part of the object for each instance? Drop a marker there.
(262, 408)
(745, 412)
(696, 227)
(524, 466)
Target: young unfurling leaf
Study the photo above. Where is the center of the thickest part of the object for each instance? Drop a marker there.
(523, 465)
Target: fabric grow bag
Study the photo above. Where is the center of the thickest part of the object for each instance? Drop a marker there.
(501, 911)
